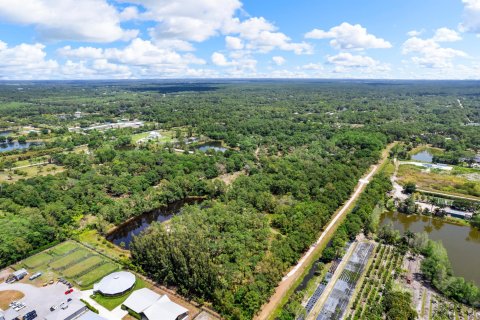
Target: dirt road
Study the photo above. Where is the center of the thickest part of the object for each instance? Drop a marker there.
(290, 278)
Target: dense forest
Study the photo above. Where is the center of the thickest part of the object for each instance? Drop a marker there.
(300, 147)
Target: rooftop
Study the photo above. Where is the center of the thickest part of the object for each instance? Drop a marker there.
(164, 309)
(141, 299)
(115, 283)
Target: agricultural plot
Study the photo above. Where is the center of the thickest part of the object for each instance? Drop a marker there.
(38, 260)
(338, 299)
(71, 261)
(384, 266)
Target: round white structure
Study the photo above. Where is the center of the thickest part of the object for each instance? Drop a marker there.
(115, 284)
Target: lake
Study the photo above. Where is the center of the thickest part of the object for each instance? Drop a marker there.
(125, 232)
(423, 156)
(462, 242)
(5, 133)
(212, 145)
(15, 145)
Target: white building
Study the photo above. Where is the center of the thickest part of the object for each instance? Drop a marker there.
(115, 284)
(152, 306)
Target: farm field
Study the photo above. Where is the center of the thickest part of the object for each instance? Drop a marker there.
(71, 261)
(456, 182)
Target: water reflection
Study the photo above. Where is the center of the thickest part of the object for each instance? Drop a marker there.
(462, 242)
(124, 233)
(423, 156)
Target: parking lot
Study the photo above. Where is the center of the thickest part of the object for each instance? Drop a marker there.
(40, 298)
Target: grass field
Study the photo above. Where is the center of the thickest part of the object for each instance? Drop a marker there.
(74, 257)
(454, 182)
(8, 296)
(90, 278)
(37, 260)
(72, 261)
(81, 268)
(92, 239)
(166, 136)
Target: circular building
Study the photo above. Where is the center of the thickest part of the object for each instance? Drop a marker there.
(115, 284)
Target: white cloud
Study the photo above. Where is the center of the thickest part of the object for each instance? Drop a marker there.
(263, 36)
(279, 60)
(414, 33)
(312, 66)
(429, 53)
(220, 60)
(129, 13)
(345, 62)
(349, 37)
(446, 35)
(25, 61)
(189, 20)
(233, 43)
(85, 20)
(81, 52)
(471, 16)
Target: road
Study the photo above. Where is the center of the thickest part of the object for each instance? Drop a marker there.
(290, 278)
(30, 165)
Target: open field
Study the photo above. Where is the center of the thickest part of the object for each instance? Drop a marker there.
(166, 136)
(69, 260)
(92, 239)
(29, 172)
(454, 182)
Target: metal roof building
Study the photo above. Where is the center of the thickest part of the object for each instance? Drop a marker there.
(165, 309)
(68, 311)
(141, 299)
(153, 306)
(115, 283)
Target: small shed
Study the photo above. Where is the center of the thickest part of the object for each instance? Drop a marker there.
(20, 274)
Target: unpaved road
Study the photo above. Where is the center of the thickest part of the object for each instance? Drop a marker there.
(290, 278)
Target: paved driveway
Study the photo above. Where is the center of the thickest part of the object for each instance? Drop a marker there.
(40, 298)
(115, 314)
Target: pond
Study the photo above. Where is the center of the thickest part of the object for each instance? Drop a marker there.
(125, 232)
(462, 242)
(424, 156)
(15, 145)
(212, 145)
(5, 133)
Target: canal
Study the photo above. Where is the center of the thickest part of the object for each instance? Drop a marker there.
(125, 232)
(462, 242)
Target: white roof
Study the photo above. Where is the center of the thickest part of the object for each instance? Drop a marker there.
(90, 316)
(141, 299)
(164, 309)
(115, 283)
(20, 272)
(74, 306)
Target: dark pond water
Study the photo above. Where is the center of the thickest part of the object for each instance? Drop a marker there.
(423, 156)
(125, 232)
(15, 145)
(213, 145)
(462, 242)
(5, 133)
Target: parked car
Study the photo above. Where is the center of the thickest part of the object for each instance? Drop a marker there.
(69, 291)
(31, 315)
(53, 308)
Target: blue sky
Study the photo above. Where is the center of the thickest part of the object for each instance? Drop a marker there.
(108, 39)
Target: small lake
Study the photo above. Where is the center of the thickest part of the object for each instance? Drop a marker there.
(212, 145)
(423, 156)
(125, 232)
(462, 242)
(15, 145)
(5, 133)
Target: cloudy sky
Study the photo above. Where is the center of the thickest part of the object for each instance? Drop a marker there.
(107, 39)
